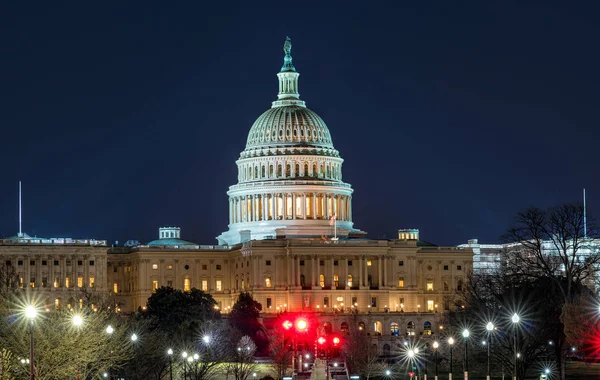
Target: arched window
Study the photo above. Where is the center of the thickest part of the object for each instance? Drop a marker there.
(410, 328)
(377, 327)
(344, 327)
(349, 280)
(430, 285)
(187, 284)
(268, 282)
(302, 281)
(255, 172)
(327, 327)
(315, 171)
(427, 328)
(394, 329)
(305, 170)
(386, 350)
(271, 171)
(288, 170)
(322, 280)
(262, 172)
(279, 169)
(297, 172)
(361, 326)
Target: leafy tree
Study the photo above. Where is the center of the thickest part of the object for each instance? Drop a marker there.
(244, 317)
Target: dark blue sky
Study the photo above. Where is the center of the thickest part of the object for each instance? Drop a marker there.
(450, 116)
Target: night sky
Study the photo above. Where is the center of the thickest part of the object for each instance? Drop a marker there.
(120, 118)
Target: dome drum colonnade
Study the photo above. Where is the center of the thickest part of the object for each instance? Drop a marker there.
(289, 175)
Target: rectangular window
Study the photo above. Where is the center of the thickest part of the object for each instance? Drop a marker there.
(205, 285)
(336, 280)
(20, 262)
(458, 267)
(170, 267)
(402, 301)
(430, 305)
(401, 263)
(56, 303)
(349, 263)
(187, 285)
(44, 262)
(44, 282)
(429, 285)
(268, 263)
(21, 282)
(335, 263)
(154, 285)
(55, 262)
(67, 282)
(31, 262)
(369, 263)
(301, 263)
(68, 263)
(80, 282)
(56, 282)
(326, 302)
(115, 269)
(445, 267)
(401, 282)
(219, 285)
(355, 301)
(79, 262)
(321, 263)
(373, 301)
(32, 281)
(115, 288)
(92, 280)
(268, 281)
(154, 266)
(170, 283)
(91, 263)
(269, 303)
(446, 287)
(8, 263)
(322, 281)
(218, 266)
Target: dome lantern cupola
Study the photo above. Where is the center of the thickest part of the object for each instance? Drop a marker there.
(288, 80)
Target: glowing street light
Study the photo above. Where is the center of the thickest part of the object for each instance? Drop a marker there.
(465, 335)
(490, 328)
(110, 330)
(515, 319)
(206, 339)
(77, 320)
(31, 313)
(451, 343)
(436, 345)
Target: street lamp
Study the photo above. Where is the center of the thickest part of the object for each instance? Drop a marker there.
(465, 335)
(489, 327)
(515, 319)
(110, 330)
(170, 353)
(31, 313)
(451, 343)
(206, 339)
(436, 345)
(184, 355)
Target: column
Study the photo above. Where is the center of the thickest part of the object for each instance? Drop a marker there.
(293, 205)
(273, 206)
(239, 209)
(366, 276)
(313, 270)
(265, 202)
(350, 209)
(291, 278)
(379, 273)
(297, 265)
(333, 272)
(360, 271)
(314, 203)
(284, 197)
(230, 211)
(304, 205)
(385, 271)
(346, 273)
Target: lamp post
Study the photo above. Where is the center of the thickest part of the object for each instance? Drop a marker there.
(31, 313)
(465, 335)
(451, 343)
(515, 319)
(134, 339)
(77, 322)
(170, 353)
(489, 327)
(184, 356)
(436, 345)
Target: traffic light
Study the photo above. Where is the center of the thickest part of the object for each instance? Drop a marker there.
(321, 340)
(301, 325)
(287, 324)
(336, 341)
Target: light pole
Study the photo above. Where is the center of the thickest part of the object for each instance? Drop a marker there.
(134, 339)
(451, 343)
(515, 319)
(489, 327)
(465, 335)
(170, 353)
(184, 356)
(436, 345)
(77, 322)
(31, 313)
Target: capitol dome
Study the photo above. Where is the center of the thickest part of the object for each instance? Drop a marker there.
(289, 175)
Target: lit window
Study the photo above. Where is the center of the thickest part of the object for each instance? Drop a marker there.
(430, 285)
(21, 282)
(429, 305)
(243, 284)
(268, 282)
(373, 301)
(80, 282)
(340, 299)
(67, 282)
(401, 282)
(326, 302)
(115, 288)
(321, 280)
(349, 280)
(369, 263)
(154, 266)
(154, 285)
(269, 303)
(336, 280)
(92, 282)
(219, 285)
(32, 282)
(205, 285)
(56, 303)
(187, 285)
(56, 282)
(169, 267)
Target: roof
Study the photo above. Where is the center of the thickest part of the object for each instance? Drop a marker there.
(169, 242)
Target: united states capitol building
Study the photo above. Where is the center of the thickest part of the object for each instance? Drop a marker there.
(291, 241)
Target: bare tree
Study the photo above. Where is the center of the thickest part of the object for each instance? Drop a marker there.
(281, 354)
(242, 365)
(361, 355)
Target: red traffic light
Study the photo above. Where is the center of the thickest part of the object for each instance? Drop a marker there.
(287, 325)
(321, 340)
(336, 340)
(301, 325)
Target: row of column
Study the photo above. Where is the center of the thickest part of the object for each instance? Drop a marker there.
(280, 206)
(282, 171)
